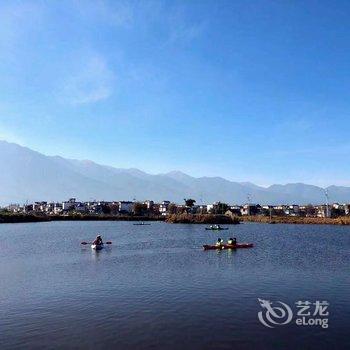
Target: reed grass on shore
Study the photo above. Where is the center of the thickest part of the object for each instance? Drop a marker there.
(18, 218)
(342, 220)
(177, 219)
(201, 219)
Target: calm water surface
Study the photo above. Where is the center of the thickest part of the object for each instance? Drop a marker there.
(155, 288)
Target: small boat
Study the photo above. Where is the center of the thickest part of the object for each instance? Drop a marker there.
(228, 246)
(96, 246)
(140, 224)
(216, 228)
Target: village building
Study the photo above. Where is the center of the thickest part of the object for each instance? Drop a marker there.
(163, 207)
(125, 207)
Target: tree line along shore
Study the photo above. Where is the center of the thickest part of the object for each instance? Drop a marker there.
(18, 218)
(188, 212)
(176, 219)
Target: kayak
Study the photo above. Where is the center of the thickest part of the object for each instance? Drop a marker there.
(96, 246)
(228, 246)
(216, 228)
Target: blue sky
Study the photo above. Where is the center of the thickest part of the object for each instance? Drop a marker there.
(248, 90)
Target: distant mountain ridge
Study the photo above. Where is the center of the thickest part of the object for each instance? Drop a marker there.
(28, 175)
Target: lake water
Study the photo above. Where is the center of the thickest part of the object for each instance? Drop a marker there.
(155, 288)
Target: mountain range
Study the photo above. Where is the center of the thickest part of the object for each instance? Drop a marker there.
(27, 175)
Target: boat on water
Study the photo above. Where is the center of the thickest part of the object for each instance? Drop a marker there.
(227, 246)
(141, 224)
(216, 228)
(97, 246)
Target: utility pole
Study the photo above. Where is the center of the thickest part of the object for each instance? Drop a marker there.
(201, 202)
(327, 202)
(249, 199)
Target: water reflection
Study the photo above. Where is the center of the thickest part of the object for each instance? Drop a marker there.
(159, 289)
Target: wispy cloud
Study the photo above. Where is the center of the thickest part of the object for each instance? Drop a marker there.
(61, 29)
(181, 29)
(115, 13)
(185, 33)
(91, 82)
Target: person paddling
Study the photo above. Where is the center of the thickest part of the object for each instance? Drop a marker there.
(98, 240)
(232, 241)
(219, 242)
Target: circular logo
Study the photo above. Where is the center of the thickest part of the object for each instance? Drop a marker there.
(274, 315)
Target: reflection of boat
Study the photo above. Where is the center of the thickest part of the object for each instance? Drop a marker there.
(96, 246)
(216, 228)
(141, 224)
(228, 246)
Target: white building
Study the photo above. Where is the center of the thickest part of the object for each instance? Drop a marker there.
(39, 206)
(248, 209)
(203, 209)
(149, 204)
(347, 209)
(50, 207)
(324, 211)
(125, 206)
(212, 208)
(15, 208)
(163, 207)
(279, 207)
(292, 210)
(80, 208)
(69, 205)
(57, 209)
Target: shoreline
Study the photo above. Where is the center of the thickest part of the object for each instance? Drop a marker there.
(297, 220)
(179, 219)
(208, 219)
(27, 218)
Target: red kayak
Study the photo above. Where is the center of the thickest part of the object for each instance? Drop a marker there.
(228, 246)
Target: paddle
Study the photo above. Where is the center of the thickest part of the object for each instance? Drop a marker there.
(84, 243)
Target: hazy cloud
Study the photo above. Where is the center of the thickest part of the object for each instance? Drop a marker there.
(91, 82)
(9, 136)
(115, 13)
(182, 29)
(185, 33)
